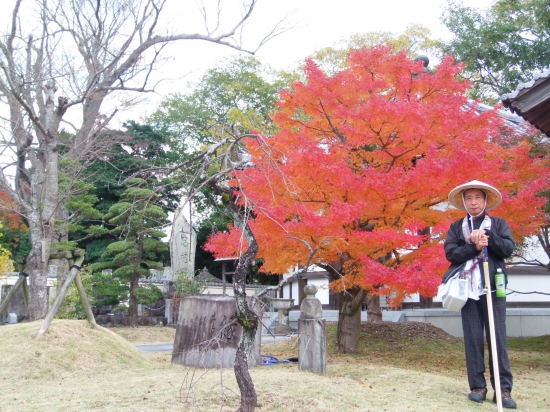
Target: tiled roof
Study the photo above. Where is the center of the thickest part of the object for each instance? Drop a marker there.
(510, 118)
(206, 276)
(531, 100)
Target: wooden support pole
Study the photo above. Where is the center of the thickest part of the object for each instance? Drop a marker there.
(21, 264)
(84, 299)
(223, 279)
(22, 279)
(21, 267)
(26, 297)
(60, 297)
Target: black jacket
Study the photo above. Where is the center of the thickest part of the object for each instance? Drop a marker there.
(501, 246)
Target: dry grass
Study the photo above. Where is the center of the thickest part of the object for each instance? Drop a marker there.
(69, 348)
(147, 334)
(78, 369)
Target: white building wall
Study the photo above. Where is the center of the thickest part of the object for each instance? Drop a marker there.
(533, 251)
(295, 294)
(323, 292)
(286, 292)
(519, 283)
(528, 283)
(218, 289)
(414, 298)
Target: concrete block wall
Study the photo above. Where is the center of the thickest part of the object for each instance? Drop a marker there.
(519, 322)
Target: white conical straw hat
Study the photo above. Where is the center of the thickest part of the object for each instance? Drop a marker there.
(493, 195)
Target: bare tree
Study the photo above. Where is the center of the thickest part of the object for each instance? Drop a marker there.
(60, 66)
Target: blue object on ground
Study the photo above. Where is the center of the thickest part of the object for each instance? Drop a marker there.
(268, 360)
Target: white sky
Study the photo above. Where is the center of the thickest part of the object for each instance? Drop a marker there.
(316, 24)
(323, 22)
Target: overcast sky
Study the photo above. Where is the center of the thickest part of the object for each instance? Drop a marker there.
(316, 24)
(321, 23)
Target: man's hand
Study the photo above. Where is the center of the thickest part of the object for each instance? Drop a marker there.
(479, 238)
(476, 235)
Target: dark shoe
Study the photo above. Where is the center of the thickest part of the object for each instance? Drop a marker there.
(478, 395)
(507, 401)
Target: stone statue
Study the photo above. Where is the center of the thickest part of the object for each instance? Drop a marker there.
(312, 347)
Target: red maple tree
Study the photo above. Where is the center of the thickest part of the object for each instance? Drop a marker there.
(357, 178)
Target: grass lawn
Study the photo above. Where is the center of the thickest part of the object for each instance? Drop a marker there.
(399, 368)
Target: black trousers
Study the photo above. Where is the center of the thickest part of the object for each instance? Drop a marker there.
(474, 321)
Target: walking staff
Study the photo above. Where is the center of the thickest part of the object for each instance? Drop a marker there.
(492, 334)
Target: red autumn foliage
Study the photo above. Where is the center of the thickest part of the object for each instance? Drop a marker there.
(362, 166)
(10, 219)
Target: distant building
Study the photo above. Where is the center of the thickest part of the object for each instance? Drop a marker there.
(216, 286)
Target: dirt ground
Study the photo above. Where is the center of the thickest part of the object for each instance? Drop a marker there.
(393, 332)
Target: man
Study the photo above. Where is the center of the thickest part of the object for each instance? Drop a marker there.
(465, 242)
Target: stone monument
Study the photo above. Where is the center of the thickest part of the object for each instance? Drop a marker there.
(202, 337)
(183, 242)
(312, 335)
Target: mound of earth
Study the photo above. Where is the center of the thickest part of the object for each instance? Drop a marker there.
(393, 332)
(68, 347)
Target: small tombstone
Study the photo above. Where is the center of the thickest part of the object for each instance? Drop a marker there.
(200, 320)
(312, 346)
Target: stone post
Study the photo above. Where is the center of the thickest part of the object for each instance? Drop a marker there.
(312, 335)
(168, 311)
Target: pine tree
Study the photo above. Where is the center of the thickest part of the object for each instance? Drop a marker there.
(137, 220)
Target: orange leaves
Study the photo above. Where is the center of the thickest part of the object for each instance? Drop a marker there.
(362, 167)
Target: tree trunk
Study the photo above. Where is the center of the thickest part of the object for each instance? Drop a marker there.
(373, 308)
(37, 268)
(349, 320)
(249, 399)
(249, 321)
(132, 309)
(41, 208)
(38, 287)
